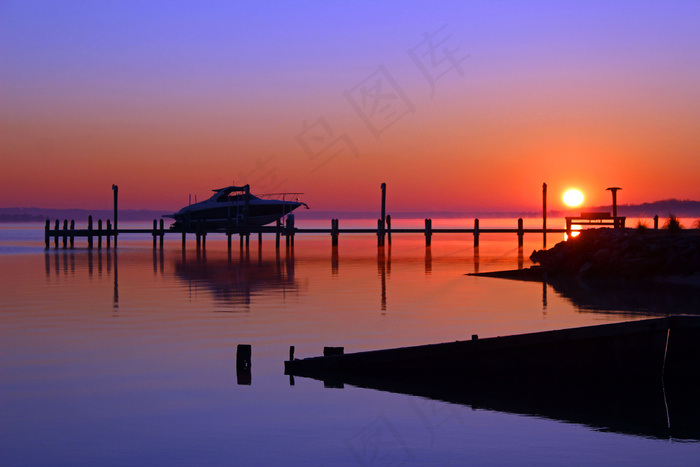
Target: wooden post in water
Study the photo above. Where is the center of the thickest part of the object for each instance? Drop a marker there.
(290, 230)
(544, 215)
(428, 231)
(47, 229)
(109, 232)
(476, 232)
(243, 364)
(162, 233)
(382, 221)
(65, 233)
(154, 233)
(115, 189)
(278, 232)
(388, 228)
(521, 233)
(89, 233)
(334, 232)
(99, 234)
(72, 236)
(656, 222)
(198, 234)
(55, 239)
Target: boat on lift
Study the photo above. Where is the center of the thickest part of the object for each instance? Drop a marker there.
(235, 206)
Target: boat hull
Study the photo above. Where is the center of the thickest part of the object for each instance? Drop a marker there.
(221, 218)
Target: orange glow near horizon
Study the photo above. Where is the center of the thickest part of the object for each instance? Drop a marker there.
(164, 126)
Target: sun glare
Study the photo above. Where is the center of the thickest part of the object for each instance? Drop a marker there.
(573, 198)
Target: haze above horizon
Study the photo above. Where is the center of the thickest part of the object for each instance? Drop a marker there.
(454, 105)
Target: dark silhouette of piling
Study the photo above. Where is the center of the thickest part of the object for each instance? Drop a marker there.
(89, 237)
(544, 215)
(476, 232)
(243, 364)
(428, 231)
(334, 232)
(388, 228)
(521, 233)
(115, 189)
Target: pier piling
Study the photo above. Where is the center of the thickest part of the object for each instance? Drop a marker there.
(428, 231)
(521, 233)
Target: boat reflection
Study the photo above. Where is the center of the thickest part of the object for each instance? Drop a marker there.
(234, 280)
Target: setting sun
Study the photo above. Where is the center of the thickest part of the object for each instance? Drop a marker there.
(573, 198)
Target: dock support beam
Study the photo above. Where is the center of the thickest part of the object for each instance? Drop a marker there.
(476, 232)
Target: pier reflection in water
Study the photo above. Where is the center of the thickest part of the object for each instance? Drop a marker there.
(234, 279)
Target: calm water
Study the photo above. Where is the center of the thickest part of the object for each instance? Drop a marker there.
(129, 357)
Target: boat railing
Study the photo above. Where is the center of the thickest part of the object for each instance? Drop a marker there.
(280, 196)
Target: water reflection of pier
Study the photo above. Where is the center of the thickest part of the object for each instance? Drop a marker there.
(233, 281)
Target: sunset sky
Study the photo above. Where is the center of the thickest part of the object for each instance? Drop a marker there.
(461, 106)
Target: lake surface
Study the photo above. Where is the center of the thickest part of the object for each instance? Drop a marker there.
(128, 356)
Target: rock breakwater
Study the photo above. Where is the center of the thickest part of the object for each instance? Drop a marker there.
(623, 254)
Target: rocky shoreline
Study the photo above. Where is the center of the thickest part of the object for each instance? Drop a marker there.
(624, 254)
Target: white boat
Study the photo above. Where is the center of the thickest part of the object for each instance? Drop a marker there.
(235, 206)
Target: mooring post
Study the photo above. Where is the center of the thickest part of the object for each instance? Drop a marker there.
(260, 240)
(47, 228)
(544, 215)
(55, 238)
(334, 232)
(290, 230)
(656, 222)
(382, 225)
(428, 231)
(198, 234)
(109, 232)
(154, 233)
(72, 233)
(99, 234)
(243, 364)
(278, 232)
(162, 233)
(521, 233)
(380, 232)
(90, 232)
(115, 189)
(65, 234)
(388, 228)
(476, 232)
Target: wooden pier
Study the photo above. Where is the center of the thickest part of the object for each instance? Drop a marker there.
(64, 234)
